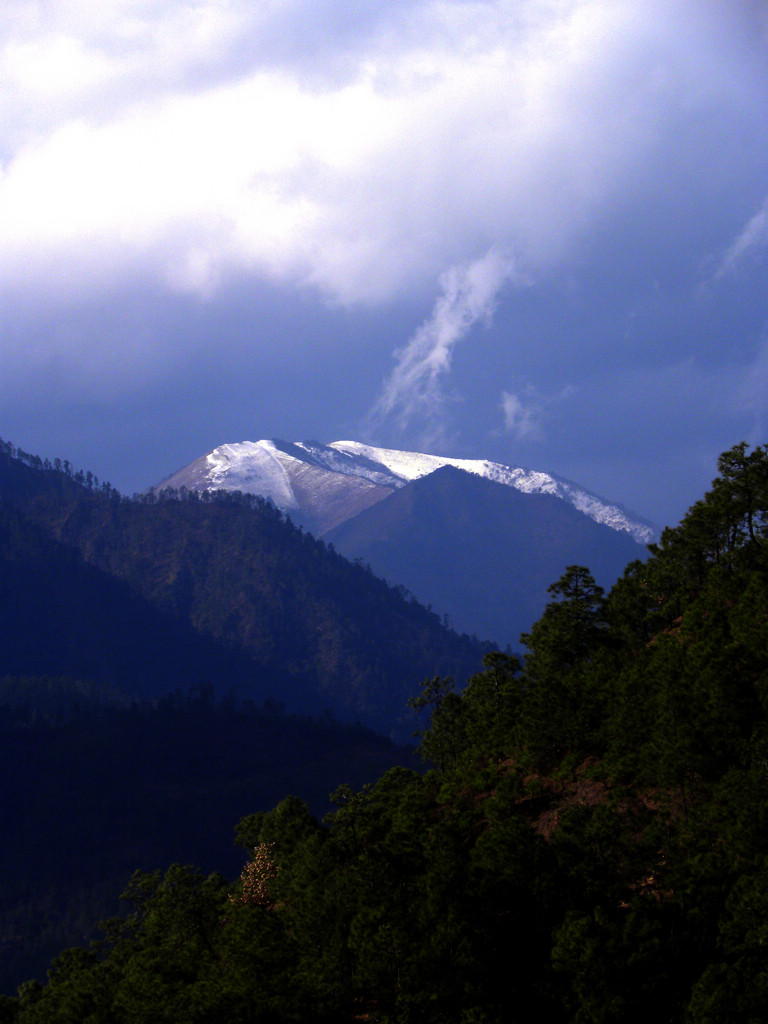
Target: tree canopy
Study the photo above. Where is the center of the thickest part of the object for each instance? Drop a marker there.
(588, 844)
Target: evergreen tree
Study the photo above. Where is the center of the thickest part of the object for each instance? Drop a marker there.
(562, 704)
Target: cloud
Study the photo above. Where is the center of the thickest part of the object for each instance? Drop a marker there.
(522, 417)
(414, 391)
(226, 204)
(525, 414)
(193, 142)
(751, 241)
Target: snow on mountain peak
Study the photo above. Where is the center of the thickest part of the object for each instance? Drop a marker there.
(309, 476)
(255, 467)
(412, 465)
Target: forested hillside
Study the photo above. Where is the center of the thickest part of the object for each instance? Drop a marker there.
(62, 616)
(590, 843)
(159, 661)
(113, 586)
(92, 790)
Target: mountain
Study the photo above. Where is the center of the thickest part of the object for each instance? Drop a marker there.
(62, 617)
(148, 595)
(324, 485)
(479, 541)
(482, 553)
(591, 843)
(159, 664)
(319, 486)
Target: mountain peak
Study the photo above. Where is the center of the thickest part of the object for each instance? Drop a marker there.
(323, 485)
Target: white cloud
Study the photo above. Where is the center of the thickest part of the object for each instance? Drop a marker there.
(187, 141)
(414, 391)
(522, 416)
(526, 413)
(751, 241)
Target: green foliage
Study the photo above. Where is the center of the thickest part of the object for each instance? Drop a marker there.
(571, 626)
(443, 742)
(561, 699)
(494, 699)
(589, 847)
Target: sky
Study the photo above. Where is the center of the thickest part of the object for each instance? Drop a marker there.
(533, 231)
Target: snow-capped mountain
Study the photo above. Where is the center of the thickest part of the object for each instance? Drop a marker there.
(326, 485)
(479, 541)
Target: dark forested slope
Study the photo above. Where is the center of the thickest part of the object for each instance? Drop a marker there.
(591, 844)
(111, 611)
(302, 624)
(61, 616)
(92, 790)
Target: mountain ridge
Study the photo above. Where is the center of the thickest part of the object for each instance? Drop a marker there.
(414, 518)
(270, 468)
(275, 611)
(482, 553)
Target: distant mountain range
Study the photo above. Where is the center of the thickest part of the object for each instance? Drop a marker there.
(144, 596)
(479, 541)
(323, 485)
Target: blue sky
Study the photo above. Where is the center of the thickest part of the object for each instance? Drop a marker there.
(534, 232)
